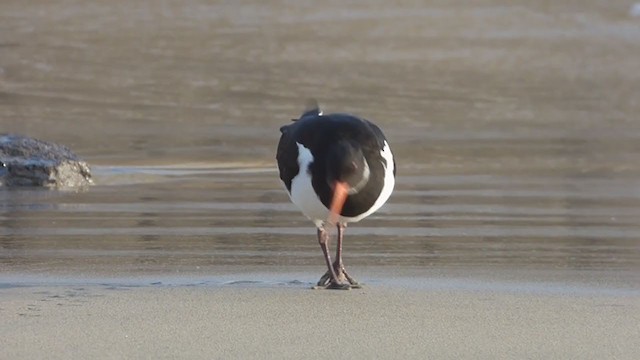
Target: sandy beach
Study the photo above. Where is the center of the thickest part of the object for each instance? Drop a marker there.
(444, 315)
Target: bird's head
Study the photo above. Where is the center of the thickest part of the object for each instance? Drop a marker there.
(347, 172)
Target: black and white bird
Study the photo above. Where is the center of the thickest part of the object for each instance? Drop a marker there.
(337, 168)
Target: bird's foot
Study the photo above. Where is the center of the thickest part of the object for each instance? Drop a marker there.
(326, 282)
(354, 284)
(333, 286)
(343, 281)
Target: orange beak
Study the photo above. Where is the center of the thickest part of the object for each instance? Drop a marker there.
(340, 191)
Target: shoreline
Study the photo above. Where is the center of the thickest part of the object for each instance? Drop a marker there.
(499, 279)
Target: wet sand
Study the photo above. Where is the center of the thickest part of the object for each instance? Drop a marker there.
(404, 314)
(513, 231)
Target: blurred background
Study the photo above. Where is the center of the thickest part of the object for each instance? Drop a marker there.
(512, 122)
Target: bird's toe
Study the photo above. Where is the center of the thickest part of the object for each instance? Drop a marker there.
(338, 286)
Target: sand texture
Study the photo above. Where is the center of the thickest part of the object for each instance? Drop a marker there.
(448, 318)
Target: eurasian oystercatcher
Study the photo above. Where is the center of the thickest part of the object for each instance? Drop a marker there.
(337, 168)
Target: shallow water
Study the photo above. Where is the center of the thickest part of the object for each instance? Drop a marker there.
(193, 220)
(515, 128)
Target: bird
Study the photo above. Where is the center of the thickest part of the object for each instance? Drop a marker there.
(337, 169)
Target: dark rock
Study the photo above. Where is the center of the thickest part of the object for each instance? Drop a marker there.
(26, 161)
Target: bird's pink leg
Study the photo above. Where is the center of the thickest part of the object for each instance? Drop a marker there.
(330, 280)
(338, 266)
